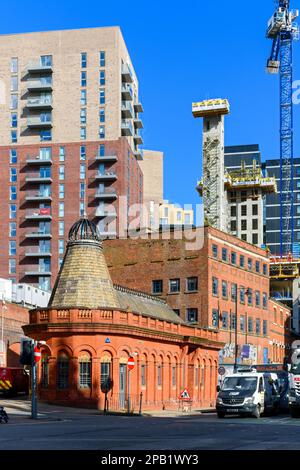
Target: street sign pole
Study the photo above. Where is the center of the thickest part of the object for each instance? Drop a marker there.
(33, 384)
(128, 401)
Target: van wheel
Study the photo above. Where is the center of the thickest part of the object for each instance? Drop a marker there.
(220, 414)
(257, 412)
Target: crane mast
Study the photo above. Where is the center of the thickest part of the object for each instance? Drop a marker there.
(283, 31)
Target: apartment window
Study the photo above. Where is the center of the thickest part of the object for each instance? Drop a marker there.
(12, 211)
(233, 226)
(157, 286)
(225, 320)
(102, 132)
(61, 191)
(174, 285)
(14, 84)
(233, 211)
(244, 237)
(255, 209)
(159, 375)
(192, 284)
(174, 376)
(14, 120)
(13, 175)
(243, 210)
(61, 229)
(83, 79)
(102, 59)
(215, 318)
(13, 157)
(12, 248)
(61, 210)
(82, 152)
(12, 266)
(102, 78)
(254, 239)
(62, 154)
(13, 101)
(83, 116)
(224, 289)
(62, 371)
(14, 137)
(46, 60)
(250, 325)
(82, 210)
(83, 133)
(255, 224)
(101, 150)
(215, 286)
(85, 371)
(265, 327)
(242, 295)
(12, 229)
(101, 115)
(232, 321)
(250, 264)
(83, 98)
(250, 296)
(82, 172)
(102, 96)
(178, 216)
(242, 261)
(233, 291)
(215, 251)
(265, 301)
(13, 193)
(14, 65)
(257, 299)
(61, 247)
(257, 326)
(143, 375)
(243, 196)
(82, 190)
(61, 172)
(265, 269)
(233, 258)
(192, 315)
(242, 323)
(45, 136)
(224, 254)
(83, 60)
(244, 225)
(257, 266)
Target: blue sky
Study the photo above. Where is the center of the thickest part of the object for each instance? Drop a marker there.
(184, 52)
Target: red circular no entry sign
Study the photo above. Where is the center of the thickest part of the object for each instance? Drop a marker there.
(37, 354)
(130, 363)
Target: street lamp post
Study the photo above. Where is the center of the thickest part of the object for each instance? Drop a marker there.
(246, 291)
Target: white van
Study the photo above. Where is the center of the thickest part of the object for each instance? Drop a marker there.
(248, 392)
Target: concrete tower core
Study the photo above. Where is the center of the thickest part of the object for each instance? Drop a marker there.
(211, 187)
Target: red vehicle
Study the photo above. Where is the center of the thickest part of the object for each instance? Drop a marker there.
(13, 380)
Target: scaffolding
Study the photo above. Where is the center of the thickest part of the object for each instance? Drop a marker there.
(246, 178)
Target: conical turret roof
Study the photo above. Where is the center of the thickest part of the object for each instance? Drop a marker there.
(84, 280)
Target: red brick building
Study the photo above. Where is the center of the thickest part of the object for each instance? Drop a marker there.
(201, 285)
(12, 318)
(92, 327)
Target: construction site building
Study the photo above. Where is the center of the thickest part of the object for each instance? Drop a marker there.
(211, 187)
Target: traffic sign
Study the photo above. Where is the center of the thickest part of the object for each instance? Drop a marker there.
(221, 370)
(37, 354)
(185, 395)
(130, 363)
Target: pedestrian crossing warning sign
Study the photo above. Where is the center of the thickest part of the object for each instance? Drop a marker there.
(185, 395)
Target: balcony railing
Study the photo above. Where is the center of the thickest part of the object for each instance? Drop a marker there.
(138, 107)
(40, 122)
(38, 103)
(127, 110)
(139, 155)
(101, 213)
(138, 123)
(127, 93)
(138, 138)
(107, 175)
(126, 74)
(42, 84)
(41, 214)
(127, 128)
(107, 158)
(38, 197)
(37, 254)
(38, 67)
(108, 193)
(38, 160)
(38, 178)
(38, 234)
(38, 272)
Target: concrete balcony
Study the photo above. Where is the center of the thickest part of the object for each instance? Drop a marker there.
(39, 85)
(38, 122)
(139, 154)
(106, 195)
(138, 123)
(138, 107)
(106, 176)
(38, 272)
(138, 138)
(126, 74)
(127, 128)
(38, 179)
(39, 103)
(37, 254)
(38, 160)
(38, 197)
(106, 158)
(38, 235)
(127, 110)
(127, 93)
(38, 67)
(37, 216)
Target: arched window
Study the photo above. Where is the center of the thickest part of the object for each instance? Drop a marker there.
(62, 368)
(45, 371)
(106, 372)
(85, 370)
